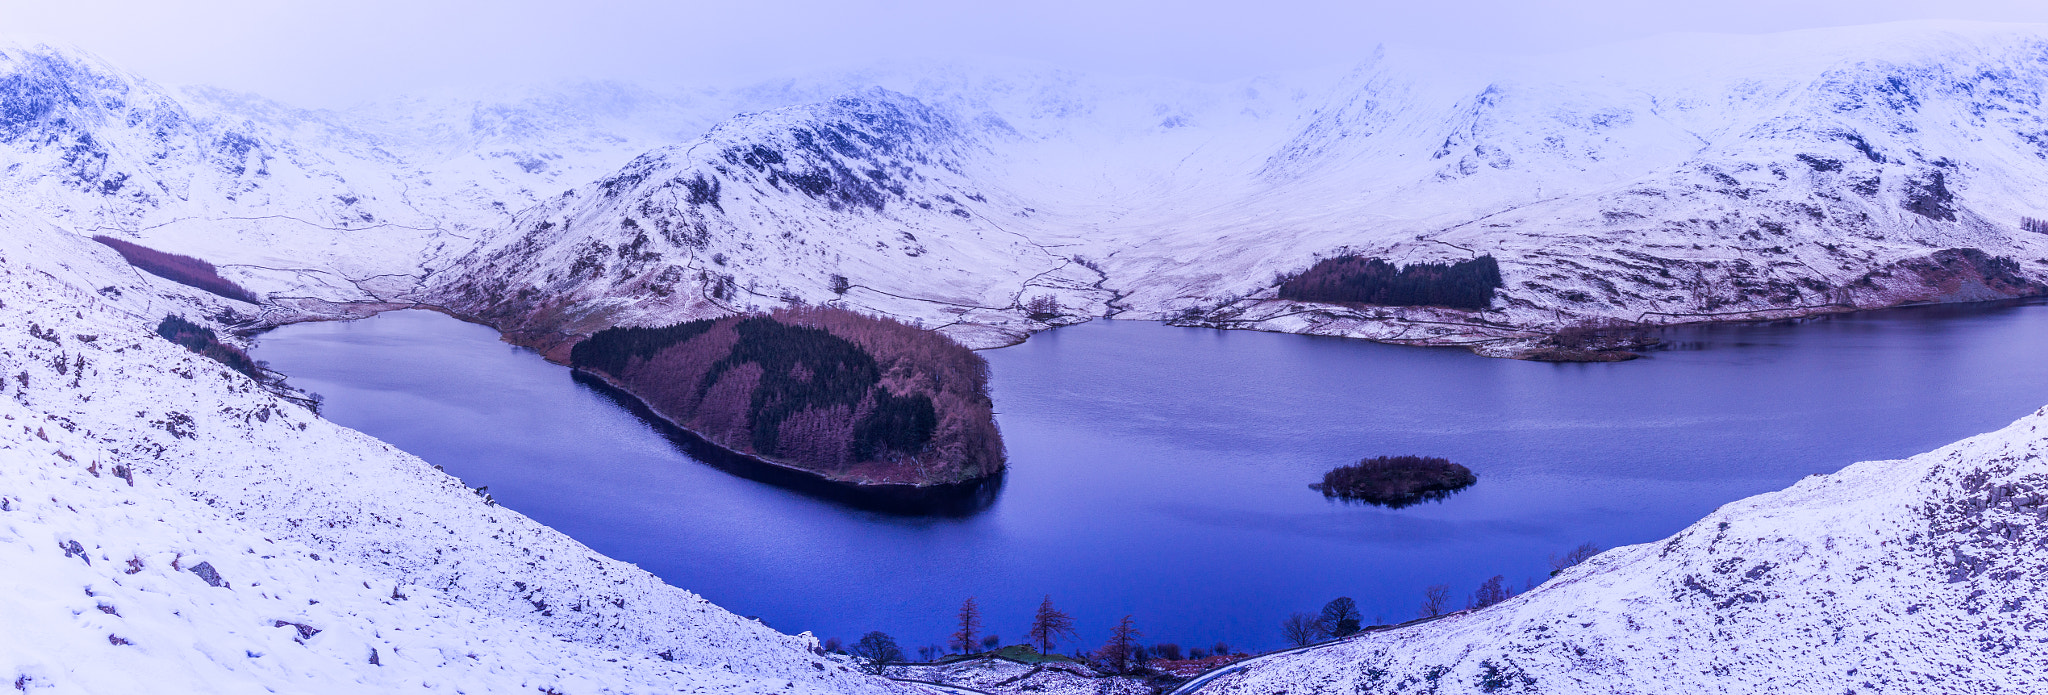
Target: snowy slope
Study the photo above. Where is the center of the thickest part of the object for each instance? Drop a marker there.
(288, 202)
(304, 521)
(1924, 575)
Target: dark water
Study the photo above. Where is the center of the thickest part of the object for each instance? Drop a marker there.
(1162, 472)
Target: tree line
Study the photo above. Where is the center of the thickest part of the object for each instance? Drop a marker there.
(184, 270)
(1122, 653)
(1340, 617)
(202, 340)
(1351, 279)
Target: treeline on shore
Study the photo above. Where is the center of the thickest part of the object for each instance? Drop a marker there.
(1352, 279)
(854, 397)
(1122, 653)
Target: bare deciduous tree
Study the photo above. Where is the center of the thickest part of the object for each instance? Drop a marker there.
(1436, 600)
(876, 650)
(1300, 629)
(1584, 552)
(1044, 307)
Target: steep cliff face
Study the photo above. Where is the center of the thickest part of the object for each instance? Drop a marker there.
(1922, 575)
(173, 526)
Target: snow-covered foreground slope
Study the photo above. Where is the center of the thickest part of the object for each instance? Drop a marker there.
(1923, 575)
(127, 463)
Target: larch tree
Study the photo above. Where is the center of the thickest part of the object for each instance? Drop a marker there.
(1121, 652)
(1048, 626)
(967, 637)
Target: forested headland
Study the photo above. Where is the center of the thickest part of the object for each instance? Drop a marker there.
(850, 397)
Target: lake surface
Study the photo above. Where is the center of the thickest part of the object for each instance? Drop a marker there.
(1163, 472)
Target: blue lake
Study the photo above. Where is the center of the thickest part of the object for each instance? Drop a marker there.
(1163, 472)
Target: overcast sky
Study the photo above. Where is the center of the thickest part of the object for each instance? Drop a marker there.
(335, 52)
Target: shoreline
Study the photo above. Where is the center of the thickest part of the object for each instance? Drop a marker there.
(1505, 341)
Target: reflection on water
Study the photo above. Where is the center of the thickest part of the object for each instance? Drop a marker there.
(1163, 472)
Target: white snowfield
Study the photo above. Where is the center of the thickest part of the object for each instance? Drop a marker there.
(1923, 575)
(343, 565)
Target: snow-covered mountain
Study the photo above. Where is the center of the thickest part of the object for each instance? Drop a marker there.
(1696, 178)
(806, 203)
(1685, 179)
(314, 210)
(1921, 575)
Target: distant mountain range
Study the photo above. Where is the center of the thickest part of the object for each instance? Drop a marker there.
(1693, 178)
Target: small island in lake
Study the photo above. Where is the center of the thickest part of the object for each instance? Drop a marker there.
(1396, 481)
(849, 398)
